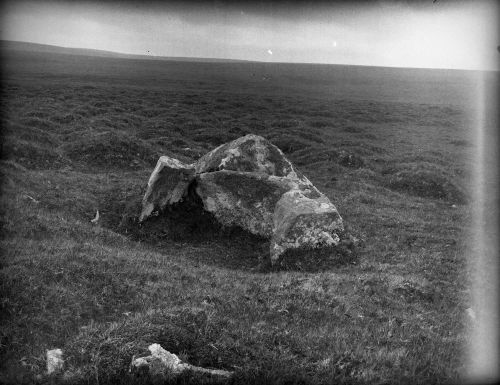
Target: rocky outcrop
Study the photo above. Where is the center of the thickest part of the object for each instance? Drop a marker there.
(251, 184)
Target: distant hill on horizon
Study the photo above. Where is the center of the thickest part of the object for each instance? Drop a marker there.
(22, 46)
(47, 48)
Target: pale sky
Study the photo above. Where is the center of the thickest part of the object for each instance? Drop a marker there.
(444, 34)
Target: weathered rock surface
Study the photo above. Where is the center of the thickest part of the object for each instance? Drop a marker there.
(242, 199)
(250, 153)
(251, 184)
(300, 221)
(167, 184)
(55, 361)
(163, 364)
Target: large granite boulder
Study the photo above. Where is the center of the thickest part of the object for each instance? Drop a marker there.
(251, 184)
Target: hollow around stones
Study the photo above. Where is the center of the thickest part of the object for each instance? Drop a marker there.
(251, 184)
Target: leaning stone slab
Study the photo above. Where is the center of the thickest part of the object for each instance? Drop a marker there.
(167, 184)
(163, 364)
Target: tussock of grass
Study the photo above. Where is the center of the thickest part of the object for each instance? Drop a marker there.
(32, 155)
(36, 135)
(65, 118)
(311, 135)
(38, 122)
(350, 160)
(314, 154)
(285, 123)
(425, 180)
(352, 129)
(289, 144)
(214, 137)
(320, 123)
(111, 150)
(363, 148)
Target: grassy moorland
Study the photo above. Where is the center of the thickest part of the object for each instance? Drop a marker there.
(391, 148)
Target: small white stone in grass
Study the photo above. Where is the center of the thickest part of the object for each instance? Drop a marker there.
(471, 313)
(162, 362)
(324, 363)
(31, 198)
(55, 360)
(96, 218)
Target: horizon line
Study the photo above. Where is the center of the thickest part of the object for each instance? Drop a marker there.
(166, 58)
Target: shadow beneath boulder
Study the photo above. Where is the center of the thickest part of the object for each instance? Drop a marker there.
(189, 230)
(316, 260)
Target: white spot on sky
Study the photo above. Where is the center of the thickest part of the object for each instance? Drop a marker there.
(334, 43)
(269, 52)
